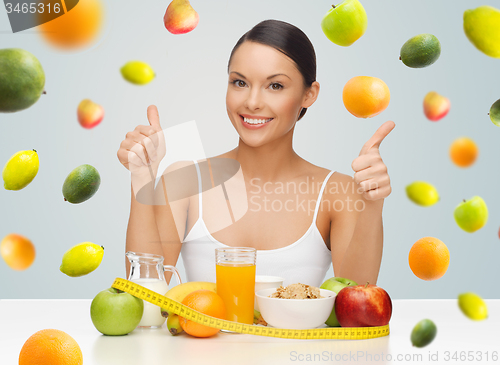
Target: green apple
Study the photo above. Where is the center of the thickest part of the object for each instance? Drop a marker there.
(335, 285)
(115, 312)
(345, 23)
(471, 214)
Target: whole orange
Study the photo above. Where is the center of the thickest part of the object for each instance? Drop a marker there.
(17, 251)
(75, 29)
(429, 258)
(463, 152)
(50, 347)
(206, 302)
(366, 96)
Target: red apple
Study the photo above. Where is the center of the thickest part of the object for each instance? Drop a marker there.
(89, 113)
(363, 306)
(436, 106)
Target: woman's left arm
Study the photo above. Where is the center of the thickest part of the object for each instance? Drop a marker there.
(361, 234)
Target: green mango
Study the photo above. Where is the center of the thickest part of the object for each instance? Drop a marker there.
(81, 184)
(22, 80)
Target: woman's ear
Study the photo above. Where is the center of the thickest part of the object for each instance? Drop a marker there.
(311, 95)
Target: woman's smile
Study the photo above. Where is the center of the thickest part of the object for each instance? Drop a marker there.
(254, 122)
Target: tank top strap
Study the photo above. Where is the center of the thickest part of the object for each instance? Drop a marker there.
(320, 195)
(200, 202)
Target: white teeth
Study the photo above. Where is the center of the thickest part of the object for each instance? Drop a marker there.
(256, 121)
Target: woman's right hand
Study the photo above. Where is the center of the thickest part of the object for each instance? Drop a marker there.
(142, 151)
(143, 146)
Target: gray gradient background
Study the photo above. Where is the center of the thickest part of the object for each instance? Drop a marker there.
(191, 84)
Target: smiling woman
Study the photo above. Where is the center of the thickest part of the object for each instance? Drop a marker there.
(271, 84)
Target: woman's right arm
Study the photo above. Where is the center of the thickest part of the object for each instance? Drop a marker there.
(151, 228)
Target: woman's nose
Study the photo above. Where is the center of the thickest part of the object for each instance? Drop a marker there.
(254, 99)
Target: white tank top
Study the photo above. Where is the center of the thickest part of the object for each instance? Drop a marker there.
(305, 261)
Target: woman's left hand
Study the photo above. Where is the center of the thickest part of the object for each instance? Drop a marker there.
(370, 172)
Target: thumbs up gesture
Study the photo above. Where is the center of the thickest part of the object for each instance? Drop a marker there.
(142, 150)
(370, 172)
(145, 144)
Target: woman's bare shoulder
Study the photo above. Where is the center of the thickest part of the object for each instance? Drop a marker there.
(339, 184)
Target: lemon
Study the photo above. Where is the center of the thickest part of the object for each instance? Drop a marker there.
(82, 259)
(482, 27)
(422, 193)
(137, 72)
(20, 170)
(473, 306)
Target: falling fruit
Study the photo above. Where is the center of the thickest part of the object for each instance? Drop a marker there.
(17, 251)
(436, 106)
(137, 72)
(180, 17)
(81, 184)
(82, 259)
(78, 28)
(495, 113)
(423, 333)
(422, 193)
(463, 152)
(366, 96)
(420, 51)
(429, 258)
(471, 215)
(20, 170)
(482, 28)
(473, 306)
(89, 114)
(22, 80)
(345, 23)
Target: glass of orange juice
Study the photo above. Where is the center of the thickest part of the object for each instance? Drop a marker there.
(235, 276)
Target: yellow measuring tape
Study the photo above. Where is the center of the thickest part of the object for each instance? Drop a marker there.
(328, 333)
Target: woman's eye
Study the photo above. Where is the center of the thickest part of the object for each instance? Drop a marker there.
(276, 86)
(239, 83)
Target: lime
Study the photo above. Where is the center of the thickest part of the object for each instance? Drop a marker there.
(423, 333)
(422, 193)
(20, 170)
(137, 72)
(495, 113)
(482, 30)
(82, 259)
(473, 306)
(420, 51)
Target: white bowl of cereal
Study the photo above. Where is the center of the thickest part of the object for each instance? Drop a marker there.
(286, 311)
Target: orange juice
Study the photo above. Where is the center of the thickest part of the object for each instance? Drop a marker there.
(236, 287)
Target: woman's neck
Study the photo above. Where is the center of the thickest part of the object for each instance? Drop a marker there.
(271, 162)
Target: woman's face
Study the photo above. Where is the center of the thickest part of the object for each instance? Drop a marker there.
(265, 93)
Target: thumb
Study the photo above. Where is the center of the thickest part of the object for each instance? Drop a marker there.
(378, 136)
(154, 117)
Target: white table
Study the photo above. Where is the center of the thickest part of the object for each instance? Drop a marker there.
(457, 336)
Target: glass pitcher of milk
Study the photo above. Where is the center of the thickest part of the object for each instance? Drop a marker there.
(148, 270)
